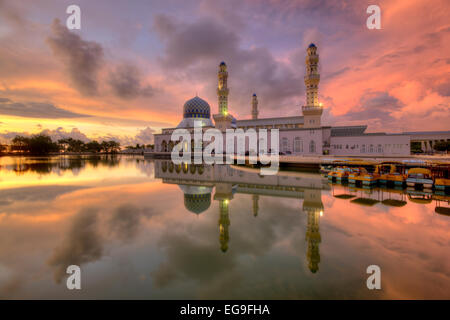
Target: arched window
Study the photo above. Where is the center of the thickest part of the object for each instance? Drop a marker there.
(363, 148)
(298, 145)
(312, 147)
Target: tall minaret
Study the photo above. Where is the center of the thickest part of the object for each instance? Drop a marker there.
(254, 107)
(222, 89)
(223, 119)
(312, 111)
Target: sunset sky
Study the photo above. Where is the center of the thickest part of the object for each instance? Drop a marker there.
(128, 71)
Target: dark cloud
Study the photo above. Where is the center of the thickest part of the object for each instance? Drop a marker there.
(35, 110)
(195, 49)
(376, 105)
(82, 59)
(125, 81)
(444, 89)
(83, 243)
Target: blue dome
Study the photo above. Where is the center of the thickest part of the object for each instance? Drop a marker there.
(312, 45)
(254, 94)
(222, 63)
(196, 108)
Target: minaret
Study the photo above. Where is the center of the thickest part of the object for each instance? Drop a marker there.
(222, 89)
(254, 107)
(223, 119)
(312, 111)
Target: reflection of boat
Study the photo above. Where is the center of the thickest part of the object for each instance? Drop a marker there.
(392, 173)
(442, 199)
(365, 201)
(419, 178)
(420, 197)
(394, 202)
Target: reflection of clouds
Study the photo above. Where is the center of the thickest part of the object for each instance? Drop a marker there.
(125, 221)
(83, 243)
(199, 258)
(31, 194)
(90, 229)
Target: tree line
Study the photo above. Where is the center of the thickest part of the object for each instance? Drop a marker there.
(43, 144)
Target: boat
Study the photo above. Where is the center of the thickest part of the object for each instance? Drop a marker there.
(339, 174)
(419, 178)
(392, 173)
(361, 176)
(441, 175)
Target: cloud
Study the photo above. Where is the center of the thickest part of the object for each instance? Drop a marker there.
(82, 59)
(35, 110)
(126, 83)
(195, 49)
(376, 105)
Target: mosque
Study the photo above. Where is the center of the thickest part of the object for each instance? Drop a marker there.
(303, 134)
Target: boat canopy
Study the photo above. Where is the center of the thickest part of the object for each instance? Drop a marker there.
(419, 170)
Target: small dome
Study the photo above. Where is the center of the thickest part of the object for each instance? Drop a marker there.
(222, 63)
(196, 108)
(312, 45)
(254, 94)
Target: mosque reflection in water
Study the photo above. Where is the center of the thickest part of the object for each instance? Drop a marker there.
(198, 182)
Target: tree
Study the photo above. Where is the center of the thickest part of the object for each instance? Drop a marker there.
(20, 143)
(93, 146)
(42, 144)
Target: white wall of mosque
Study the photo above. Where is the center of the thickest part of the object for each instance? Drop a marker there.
(371, 145)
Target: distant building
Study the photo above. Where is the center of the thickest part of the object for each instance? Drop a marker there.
(303, 134)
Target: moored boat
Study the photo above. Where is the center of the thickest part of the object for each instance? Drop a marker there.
(419, 178)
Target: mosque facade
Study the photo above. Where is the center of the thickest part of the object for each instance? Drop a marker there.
(303, 134)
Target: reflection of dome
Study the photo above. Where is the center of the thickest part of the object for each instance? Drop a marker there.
(195, 109)
(196, 198)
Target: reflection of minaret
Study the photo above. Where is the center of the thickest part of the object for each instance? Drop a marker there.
(224, 222)
(224, 194)
(254, 107)
(255, 198)
(313, 207)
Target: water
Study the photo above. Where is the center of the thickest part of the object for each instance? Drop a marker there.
(148, 230)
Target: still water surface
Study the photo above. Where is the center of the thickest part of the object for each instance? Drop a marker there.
(142, 229)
